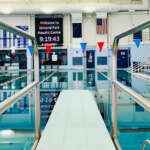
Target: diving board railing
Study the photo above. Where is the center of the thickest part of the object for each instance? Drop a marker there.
(15, 98)
(141, 100)
(145, 143)
(16, 31)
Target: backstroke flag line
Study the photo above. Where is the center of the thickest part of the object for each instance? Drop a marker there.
(48, 49)
(100, 45)
(83, 46)
(137, 42)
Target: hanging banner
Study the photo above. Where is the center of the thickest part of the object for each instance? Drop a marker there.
(137, 42)
(83, 46)
(30, 49)
(48, 49)
(100, 45)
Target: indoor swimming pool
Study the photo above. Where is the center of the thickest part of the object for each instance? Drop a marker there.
(133, 120)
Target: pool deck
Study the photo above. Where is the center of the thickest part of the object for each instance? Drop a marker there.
(75, 124)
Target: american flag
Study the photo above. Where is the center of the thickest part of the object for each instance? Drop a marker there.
(101, 26)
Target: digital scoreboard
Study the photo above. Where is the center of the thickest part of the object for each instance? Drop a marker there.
(49, 30)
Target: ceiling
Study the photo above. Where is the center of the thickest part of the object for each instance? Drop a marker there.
(69, 6)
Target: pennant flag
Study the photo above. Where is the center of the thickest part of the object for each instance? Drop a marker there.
(77, 52)
(83, 46)
(48, 49)
(65, 52)
(117, 49)
(100, 45)
(94, 51)
(30, 49)
(137, 42)
(59, 52)
(129, 48)
(13, 51)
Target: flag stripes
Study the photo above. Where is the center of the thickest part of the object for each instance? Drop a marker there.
(8, 40)
(101, 26)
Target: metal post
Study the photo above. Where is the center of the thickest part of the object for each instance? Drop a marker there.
(37, 92)
(114, 94)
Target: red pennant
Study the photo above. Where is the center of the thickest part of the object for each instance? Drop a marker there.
(48, 49)
(65, 52)
(14, 54)
(117, 49)
(100, 45)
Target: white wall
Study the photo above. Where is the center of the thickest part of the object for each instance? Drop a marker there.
(119, 23)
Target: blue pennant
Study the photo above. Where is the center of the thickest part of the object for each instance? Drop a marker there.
(59, 52)
(77, 52)
(137, 42)
(83, 46)
(30, 49)
(94, 51)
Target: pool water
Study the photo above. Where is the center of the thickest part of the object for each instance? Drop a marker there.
(133, 120)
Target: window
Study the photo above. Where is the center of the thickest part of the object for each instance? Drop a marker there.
(77, 60)
(102, 60)
(137, 35)
(77, 30)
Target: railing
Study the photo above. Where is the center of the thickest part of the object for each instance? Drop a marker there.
(142, 101)
(145, 143)
(10, 29)
(15, 98)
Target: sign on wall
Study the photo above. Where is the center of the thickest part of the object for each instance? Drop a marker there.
(49, 30)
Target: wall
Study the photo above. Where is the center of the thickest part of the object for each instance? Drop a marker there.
(117, 23)
(122, 22)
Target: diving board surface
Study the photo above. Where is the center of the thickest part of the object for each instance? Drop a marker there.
(75, 124)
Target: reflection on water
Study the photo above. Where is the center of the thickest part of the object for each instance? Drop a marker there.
(130, 114)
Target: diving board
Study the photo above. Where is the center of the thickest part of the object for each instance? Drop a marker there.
(75, 124)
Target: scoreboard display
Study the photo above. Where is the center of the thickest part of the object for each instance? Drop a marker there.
(49, 30)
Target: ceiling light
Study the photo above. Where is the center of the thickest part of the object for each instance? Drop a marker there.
(88, 9)
(7, 132)
(6, 10)
(131, 10)
(47, 10)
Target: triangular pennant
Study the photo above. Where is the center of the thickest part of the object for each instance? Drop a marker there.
(83, 46)
(137, 42)
(59, 52)
(48, 49)
(77, 52)
(30, 49)
(94, 51)
(117, 49)
(65, 52)
(100, 45)
(13, 50)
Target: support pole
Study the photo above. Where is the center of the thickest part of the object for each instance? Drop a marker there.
(37, 92)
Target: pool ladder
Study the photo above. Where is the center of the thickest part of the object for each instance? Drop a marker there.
(145, 143)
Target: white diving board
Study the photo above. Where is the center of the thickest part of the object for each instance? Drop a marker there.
(75, 124)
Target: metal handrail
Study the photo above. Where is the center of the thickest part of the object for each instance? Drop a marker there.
(13, 99)
(6, 27)
(114, 73)
(2, 84)
(145, 143)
